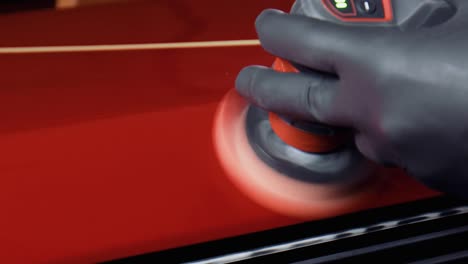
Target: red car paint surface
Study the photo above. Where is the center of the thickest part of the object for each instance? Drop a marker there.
(109, 154)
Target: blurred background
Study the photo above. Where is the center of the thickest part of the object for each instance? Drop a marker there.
(13, 6)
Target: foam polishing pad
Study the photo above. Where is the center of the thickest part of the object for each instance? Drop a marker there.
(276, 189)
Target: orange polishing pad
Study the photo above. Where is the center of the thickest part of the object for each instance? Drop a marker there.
(267, 186)
(304, 140)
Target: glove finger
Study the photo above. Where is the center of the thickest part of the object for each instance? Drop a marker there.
(320, 45)
(302, 95)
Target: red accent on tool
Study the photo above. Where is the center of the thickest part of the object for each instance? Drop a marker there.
(387, 8)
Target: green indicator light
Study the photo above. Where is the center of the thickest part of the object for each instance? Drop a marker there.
(341, 4)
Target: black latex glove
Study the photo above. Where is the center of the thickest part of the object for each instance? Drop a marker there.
(404, 92)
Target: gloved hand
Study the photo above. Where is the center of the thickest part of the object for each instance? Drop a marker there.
(403, 92)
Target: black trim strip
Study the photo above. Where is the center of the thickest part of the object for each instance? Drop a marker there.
(296, 232)
(385, 246)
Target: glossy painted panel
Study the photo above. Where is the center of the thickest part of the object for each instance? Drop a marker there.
(109, 154)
